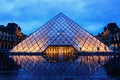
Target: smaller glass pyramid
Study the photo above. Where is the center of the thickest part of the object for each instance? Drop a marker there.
(60, 31)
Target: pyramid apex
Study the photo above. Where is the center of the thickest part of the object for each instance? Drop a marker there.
(60, 13)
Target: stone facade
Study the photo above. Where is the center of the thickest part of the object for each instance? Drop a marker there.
(110, 36)
(10, 35)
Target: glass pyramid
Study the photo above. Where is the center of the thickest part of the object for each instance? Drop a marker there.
(60, 30)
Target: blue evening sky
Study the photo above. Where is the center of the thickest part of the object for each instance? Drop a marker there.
(92, 15)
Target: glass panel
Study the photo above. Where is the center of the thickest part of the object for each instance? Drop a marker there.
(60, 53)
(60, 31)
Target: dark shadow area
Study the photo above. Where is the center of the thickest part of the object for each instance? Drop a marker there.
(113, 66)
(7, 64)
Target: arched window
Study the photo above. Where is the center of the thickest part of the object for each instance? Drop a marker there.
(105, 48)
(80, 48)
(98, 48)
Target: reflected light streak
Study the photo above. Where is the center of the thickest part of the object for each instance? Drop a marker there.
(39, 65)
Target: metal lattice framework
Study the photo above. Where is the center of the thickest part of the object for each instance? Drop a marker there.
(60, 31)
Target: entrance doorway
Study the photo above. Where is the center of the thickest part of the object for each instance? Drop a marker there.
(60, 53)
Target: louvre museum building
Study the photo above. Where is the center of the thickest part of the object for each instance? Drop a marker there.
(58, 42)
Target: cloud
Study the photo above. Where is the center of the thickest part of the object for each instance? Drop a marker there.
(93, 27)
(36, 6)
(89, 13)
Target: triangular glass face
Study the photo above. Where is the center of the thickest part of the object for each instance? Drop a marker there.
(60, 31)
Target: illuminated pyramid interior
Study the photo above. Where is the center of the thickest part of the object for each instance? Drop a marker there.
(60, 32)
(60, 39)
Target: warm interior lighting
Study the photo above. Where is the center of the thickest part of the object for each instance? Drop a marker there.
(60, 53)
